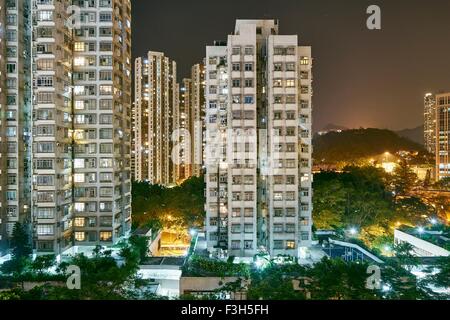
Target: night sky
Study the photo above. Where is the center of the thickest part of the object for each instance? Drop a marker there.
(362, 78)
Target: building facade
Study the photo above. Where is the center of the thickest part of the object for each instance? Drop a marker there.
(16, 165)
(191, 124)
(258, 142)
(430, 122)
(68, 129)
(155, 118)
(3, 142)
(102, 122)
(184, 166)
(442, 135)
(197, 118)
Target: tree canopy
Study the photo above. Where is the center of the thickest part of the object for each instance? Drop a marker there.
(181, 206)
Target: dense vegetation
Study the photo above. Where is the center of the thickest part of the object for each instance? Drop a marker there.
(328, 279)
(178, 207)
(356, 145)
(102, 277)
(201, 267)
(364, 198)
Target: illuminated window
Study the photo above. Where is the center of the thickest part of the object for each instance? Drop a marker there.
(79, 207)
(79, 47)
(79, 177)
(45, 229)
(79, 61)
(80, 236)
(79, 222)
(290, 83)
(78, 89)
(304, 61)
(105, 236)
(105, 90)
(290, 244)
(79, 105)
(277, 83)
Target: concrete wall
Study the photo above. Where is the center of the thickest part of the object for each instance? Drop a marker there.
(154, 246)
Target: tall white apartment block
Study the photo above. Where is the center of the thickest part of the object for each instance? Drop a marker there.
(429, 130)
(258, 142)
(16, 115)
(3, 143)
(67, 121)
(52, 205)
(102, 122)
(156, 105)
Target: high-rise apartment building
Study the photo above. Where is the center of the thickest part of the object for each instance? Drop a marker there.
(3, 142)
(16, 111)
(429, 129)
(258, 142)
(197, 118)
(52, 187)
(184, 166)
(102, 122)
(156, 107)
(68, 119)
(192, 123)
(443, 135)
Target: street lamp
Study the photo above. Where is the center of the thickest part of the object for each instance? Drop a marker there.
(386, 288)
(353, 231)
(420, 230)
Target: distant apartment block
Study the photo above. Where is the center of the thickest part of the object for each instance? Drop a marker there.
(192, 122)
(442, 135)
(258, 142)
(184, 167)
(155, 118)
(430, 122)
(197, 118)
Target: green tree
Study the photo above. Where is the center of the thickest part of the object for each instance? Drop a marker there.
(329, 201)
(403, 178)
(398, 283)
(15, 266)
(141, 245)
(42, 263)
(339, 280)
(184, 204)
(411, 209)
(20, 241)
(276, 283)
(10, 295)
(443, 184)
(440, 278)
(404, 255)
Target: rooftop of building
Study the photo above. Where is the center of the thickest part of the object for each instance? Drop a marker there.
(436, 234)
(164, 261)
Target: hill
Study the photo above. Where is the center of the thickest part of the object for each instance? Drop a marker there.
(333, 127)
(415, 134)
(352, 145)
